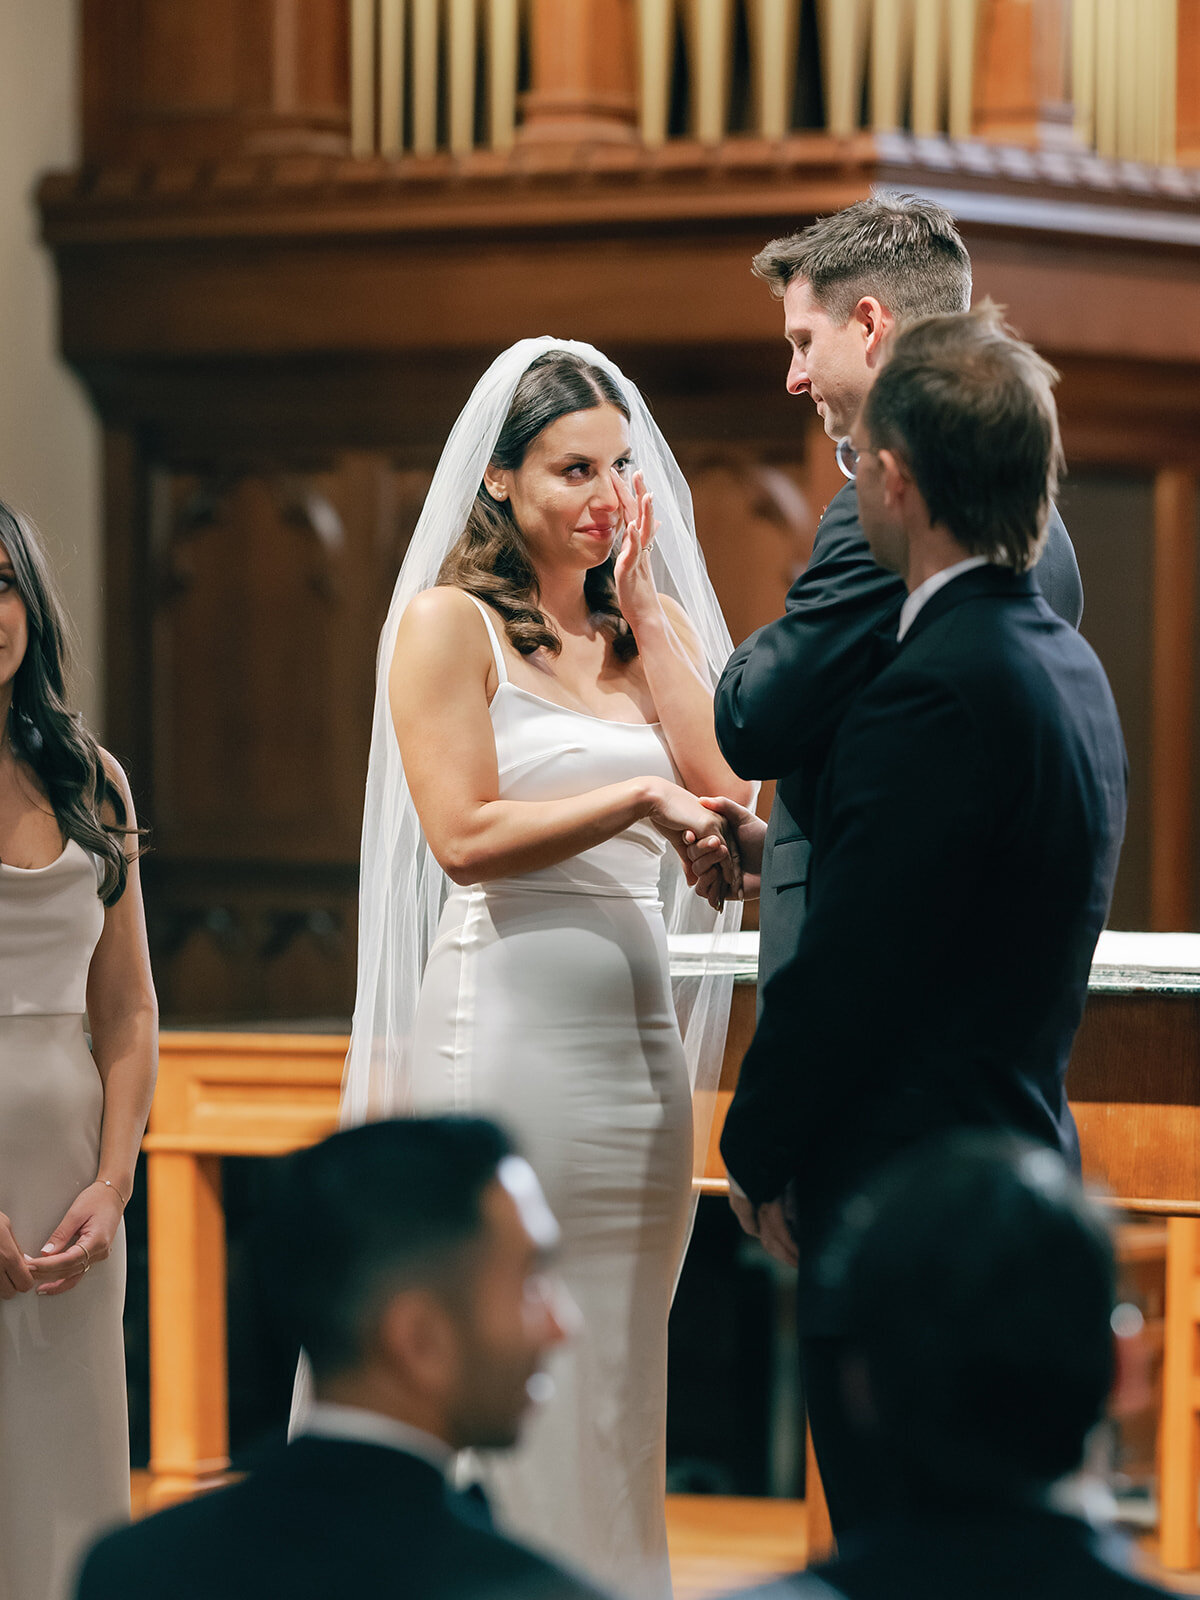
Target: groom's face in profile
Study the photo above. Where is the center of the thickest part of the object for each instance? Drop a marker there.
(829, 361)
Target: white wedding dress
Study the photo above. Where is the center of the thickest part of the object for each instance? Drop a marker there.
(546, 1003)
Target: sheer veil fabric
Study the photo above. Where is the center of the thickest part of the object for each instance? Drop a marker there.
(402, 888)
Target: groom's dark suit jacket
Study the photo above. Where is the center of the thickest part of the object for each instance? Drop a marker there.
(324, 1519)
(966, 829)
(785, 690)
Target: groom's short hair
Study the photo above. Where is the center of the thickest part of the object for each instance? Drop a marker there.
(904, 251)
(365, 1214)
(976, 1280)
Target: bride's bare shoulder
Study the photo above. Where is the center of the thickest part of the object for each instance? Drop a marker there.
(441, 619)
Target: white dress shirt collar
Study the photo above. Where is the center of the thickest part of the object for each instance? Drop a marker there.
(328, 1421)
(926, 591)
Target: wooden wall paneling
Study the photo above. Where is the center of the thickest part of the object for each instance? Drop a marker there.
(128, 588)
(584, 73)
(201, 80)
(1173, 675)
(257, 610)
(756, 526)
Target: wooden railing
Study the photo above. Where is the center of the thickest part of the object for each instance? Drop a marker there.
(461, 75)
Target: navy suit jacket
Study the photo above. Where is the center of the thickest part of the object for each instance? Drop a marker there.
(966, 831)
(324, 1519)
(786, 689)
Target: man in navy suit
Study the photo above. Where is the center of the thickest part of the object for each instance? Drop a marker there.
(410, 1259)
(965, 828)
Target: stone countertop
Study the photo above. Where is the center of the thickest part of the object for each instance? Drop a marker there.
(1125, 963)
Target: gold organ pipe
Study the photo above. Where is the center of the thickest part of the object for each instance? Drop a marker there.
(391, 77)
(712, 48)
(773, 31)
(362, 77)
(425, 76)
(503, 33)
(461, 75)
(655, 46)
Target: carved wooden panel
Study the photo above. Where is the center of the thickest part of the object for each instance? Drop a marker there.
(269, 586)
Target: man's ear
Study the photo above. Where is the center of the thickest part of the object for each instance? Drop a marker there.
(875, 322)
(897, 480)
(417, 1339)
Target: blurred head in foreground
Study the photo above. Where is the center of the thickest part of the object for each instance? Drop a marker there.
(411, 1260)
(977, 1285)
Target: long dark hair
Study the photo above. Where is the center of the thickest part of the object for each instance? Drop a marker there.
(490, 559)
(45, 733)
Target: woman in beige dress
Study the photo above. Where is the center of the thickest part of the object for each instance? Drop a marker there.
(72, 938)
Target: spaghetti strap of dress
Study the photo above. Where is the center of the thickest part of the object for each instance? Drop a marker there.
(497, 652)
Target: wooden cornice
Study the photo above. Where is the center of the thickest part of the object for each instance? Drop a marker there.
(568, 188)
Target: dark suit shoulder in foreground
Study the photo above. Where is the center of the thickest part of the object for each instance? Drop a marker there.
(323, 1520)
(998, 1556)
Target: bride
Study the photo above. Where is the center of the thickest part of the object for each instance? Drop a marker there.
(543, 725)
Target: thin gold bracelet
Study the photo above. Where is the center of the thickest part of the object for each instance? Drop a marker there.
(110, 1185)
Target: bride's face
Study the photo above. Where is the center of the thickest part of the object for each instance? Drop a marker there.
(562, 493)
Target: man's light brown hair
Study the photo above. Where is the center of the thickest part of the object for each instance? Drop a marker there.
(969, 408)
(901, 250)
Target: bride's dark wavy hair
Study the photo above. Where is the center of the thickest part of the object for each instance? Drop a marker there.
(491, 560)
(45, 733)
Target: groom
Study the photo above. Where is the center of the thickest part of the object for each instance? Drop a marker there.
(965, 812)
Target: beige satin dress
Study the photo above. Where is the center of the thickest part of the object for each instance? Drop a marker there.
(64, 1433)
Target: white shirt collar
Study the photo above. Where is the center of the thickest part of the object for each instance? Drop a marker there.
(328, 1421)
(926, 591)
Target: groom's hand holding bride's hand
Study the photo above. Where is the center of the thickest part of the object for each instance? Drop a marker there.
(681, 818)
(707, 853)
(766, 1223)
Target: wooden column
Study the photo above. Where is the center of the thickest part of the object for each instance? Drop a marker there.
(584, 73)
(201, 80)
(1179, 1443)
(189, 1414)
(1173, 670)
(1022, 72)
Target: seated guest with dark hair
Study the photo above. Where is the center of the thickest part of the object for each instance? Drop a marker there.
(410, 1259)
(976, 1282)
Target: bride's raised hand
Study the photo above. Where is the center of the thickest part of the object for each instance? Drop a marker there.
(637, 592)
